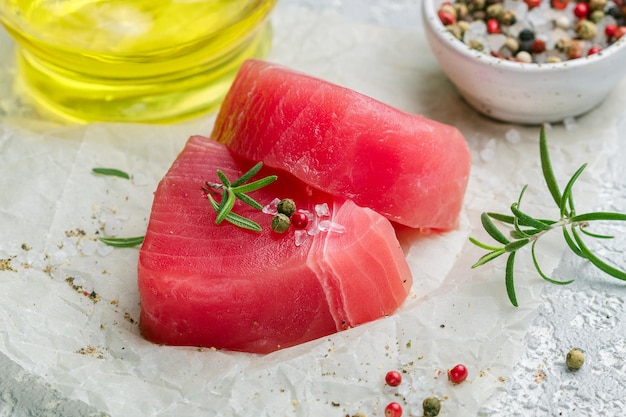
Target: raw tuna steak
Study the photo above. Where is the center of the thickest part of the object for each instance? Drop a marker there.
(411, 169)
(203, 284)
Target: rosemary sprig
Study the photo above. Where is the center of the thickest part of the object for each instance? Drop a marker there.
(122, 242)
(237, 189)
(111, 172)
(526, 230)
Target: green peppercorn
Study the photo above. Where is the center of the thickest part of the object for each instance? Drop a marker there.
(461, 10)
(574, 359)
(455, 30)
(477, 5)
(586, 29)
(464, 25)
(596, 16)
(495, 11)
(597, 4)
(476, 45)
(286, 206)
(431, 406)
(280, 223)
(508, 18)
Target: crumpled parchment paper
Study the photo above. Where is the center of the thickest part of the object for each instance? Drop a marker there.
(69, 305)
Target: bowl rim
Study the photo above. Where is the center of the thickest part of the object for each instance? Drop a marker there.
(431, 21)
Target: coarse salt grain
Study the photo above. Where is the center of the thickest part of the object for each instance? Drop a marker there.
(271, 208)
(513, 136)
(570, 123)
(322, 210)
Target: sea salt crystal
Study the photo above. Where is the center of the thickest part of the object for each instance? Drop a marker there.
(538, 20)
(300, 237)
(103, 249)
(69, 246)
(322, 210)
(570, 123)
(10, 250)
(496, 41)
(489, 151)
(57, 257)
(87, 247)
(513, 136)
(112, 227)
(271, 208)
(328, 226)
(477, 28)
(553, 37)
(519, 7)
(516, 28)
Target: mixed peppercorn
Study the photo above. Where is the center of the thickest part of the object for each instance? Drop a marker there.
(538, 31)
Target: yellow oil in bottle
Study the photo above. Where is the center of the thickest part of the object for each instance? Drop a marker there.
(133, 60)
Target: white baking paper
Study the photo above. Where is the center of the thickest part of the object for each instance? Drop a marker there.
(69, 305)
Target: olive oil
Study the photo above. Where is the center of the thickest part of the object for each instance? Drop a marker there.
(133, 60)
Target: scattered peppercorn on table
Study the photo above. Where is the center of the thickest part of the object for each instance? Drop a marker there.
(70, 343)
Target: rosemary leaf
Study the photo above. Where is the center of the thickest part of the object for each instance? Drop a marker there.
(504, 218)
(223, 178)
(126, 242)
(527, 220)
(567, 198)
(492, 230)
(508, 279)
(570, 242)
(249, 201)
(598, 215)
(488, 257)
(225, 207)
(248, 175)
(236, 219)
(599, 263)
(595, 235)
(521, 234)
(546, 167)
(253, 186)
(516, 245)
(483, 245)
(111, 172)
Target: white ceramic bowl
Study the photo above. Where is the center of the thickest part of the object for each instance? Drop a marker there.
(519, 92)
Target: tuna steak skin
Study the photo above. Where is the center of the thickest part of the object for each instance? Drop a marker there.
(221, 286)
(411, 169)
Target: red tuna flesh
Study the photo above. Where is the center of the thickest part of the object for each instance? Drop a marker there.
(410, 169)
(203, 284)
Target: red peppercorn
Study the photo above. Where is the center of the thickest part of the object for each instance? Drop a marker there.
(594, 50)
(619, 32)
(532, 3)
(446, 18)
(581, 10)
(299, 219)
(393, 378)
(609, 30)
(493, 26)
(538, 46)
(457, 374)
(393, 410)
(560, 4)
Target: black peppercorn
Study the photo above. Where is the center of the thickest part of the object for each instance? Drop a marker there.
(526, 35)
